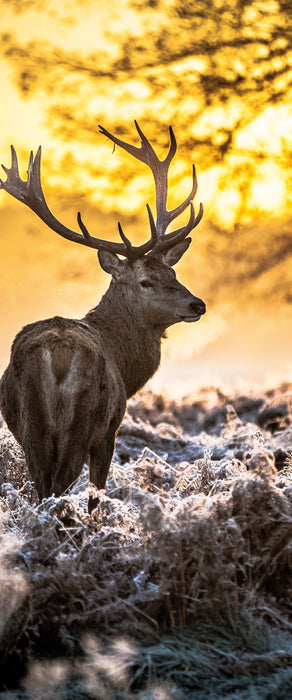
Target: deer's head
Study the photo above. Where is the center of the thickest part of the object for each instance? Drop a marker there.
(149, 285)
(143, 272)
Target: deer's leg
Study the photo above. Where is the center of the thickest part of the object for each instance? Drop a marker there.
(72, 446)
(37, 440)
(70, 458)
(100, 460)
(26, 417)
(40, 461)
(9, 403)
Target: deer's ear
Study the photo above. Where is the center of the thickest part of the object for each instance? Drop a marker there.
(110, 263)
(173, 255)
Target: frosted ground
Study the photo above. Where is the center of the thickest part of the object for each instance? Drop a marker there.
(179, 584)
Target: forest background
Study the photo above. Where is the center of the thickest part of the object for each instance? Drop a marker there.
(220, 73)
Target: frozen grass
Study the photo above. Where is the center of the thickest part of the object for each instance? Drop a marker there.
(179, 584)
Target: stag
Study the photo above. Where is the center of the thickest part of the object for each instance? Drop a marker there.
(64, 392)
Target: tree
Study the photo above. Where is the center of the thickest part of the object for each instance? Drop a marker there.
(210, 68)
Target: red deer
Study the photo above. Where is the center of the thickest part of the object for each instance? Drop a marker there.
(64, 393)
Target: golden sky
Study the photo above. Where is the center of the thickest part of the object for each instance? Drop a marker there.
(220, 73)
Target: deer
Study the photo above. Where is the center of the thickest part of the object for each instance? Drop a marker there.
(65, 390)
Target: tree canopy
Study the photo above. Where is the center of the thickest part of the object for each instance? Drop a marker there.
(219, 71)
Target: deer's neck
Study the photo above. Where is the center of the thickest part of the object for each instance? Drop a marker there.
(133, 344)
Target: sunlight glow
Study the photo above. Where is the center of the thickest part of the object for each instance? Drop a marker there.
(210, 327)
(67, 67)
(189, 64)
(21, 121)
(228, 203)
(270, 131)
(268, 190)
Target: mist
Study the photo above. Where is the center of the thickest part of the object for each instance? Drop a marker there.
(227, 95)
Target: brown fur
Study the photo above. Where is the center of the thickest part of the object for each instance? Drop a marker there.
(61, 359)
(64, 393)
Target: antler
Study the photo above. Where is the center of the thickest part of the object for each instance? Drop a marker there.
(159, 170)
(30, 192)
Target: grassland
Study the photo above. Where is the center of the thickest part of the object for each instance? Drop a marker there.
(178, 585)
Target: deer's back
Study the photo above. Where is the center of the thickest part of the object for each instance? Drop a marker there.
(54, 364)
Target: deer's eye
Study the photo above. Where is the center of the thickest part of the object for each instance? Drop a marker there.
(146, 284)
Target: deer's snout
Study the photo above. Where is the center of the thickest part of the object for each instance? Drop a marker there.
(196, 309)
(198, 306)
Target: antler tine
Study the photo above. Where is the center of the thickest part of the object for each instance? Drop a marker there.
(135, 252)
(13, 170)
(145, 153)
(13, 178)
(14, 163)
(149, 150)
(172, 147)
(125, 240)
(179, 234)
(83, 229)
(181, 207)
(126, 248)
(153, 228)
(34, 175)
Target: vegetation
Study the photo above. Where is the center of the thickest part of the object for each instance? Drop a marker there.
(178, 585)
